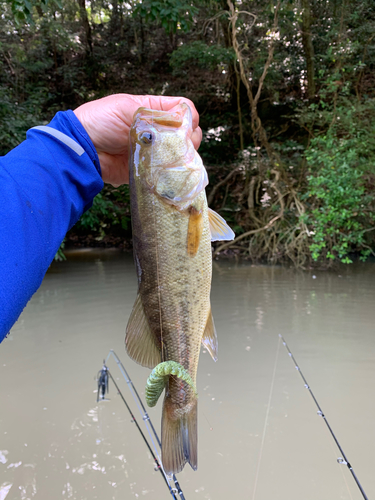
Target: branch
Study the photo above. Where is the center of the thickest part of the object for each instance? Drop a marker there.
(256, 123)
(219, 184)
(264, 228)
(271, 48)
(358, 84)
(8, 60)
(248, 233)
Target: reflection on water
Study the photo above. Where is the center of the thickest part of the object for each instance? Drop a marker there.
(57, 442)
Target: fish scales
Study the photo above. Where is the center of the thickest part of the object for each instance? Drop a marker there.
(174, 287)
(172, 233)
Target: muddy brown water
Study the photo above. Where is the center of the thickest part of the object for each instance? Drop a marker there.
(56, 442)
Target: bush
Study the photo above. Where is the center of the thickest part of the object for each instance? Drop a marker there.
(339, 213)
(203, 55)
(16, 118)
(110, 211)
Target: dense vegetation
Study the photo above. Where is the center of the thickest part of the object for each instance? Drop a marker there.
(285, 91)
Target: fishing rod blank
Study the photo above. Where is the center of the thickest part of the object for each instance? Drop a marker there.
(145, 415)
(157, 464)
(341, 460)
(145, 418)
(136, 397)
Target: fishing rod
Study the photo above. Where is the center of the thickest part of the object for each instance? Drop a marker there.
(157, 464)
(145, 417)
(343, 459)
(144, 413)
(136, 397)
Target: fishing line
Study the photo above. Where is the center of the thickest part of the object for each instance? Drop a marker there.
(157, 253)
(138, 401)
(343, 459)
(209, 423)
(341, 471)
(266, 420)
(147, 421)
(157, 464)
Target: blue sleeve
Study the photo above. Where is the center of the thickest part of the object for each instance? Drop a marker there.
(46, 183)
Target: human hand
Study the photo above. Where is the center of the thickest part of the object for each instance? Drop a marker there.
(107, 121)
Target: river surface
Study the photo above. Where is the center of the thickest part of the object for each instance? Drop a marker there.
(259, 433)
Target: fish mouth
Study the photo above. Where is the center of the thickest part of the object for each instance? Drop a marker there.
(176, 117)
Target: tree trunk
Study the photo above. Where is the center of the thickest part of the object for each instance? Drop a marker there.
(235, 84)
(142, 39)
(86, 26)
(114, 23)
(308, 47)
(227, 35)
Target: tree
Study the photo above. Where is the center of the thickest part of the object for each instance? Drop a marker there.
(308, 47)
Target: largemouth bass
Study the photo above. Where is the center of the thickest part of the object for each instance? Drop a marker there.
(172, 233)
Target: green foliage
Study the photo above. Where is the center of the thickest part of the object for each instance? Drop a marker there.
(45, 66)
(60, 256)
(340, 211)
(110, 209)
(203, 55)
(339, 216)
(16, 118)
(23, 9)
(172, 14)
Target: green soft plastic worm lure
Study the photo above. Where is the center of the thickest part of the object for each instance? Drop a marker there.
(158, 378)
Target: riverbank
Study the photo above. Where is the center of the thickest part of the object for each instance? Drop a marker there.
(115, 247)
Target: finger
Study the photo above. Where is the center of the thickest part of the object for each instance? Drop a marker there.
(124, 107)
(196, 137)
(166, 103)
(115, 168)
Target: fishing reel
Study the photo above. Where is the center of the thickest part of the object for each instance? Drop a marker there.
(102, 379)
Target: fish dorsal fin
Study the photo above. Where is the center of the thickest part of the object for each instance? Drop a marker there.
(219, 228)
(140, 343)
(195, 230)
(209, 339)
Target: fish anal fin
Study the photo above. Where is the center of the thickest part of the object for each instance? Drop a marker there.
(209, 339)
(219, 228)
(195, 230)
(140, 343)
(179, 438)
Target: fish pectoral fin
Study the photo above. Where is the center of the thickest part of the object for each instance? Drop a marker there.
(209, 339)
(195, 230)
(219, 228)
(140, 343)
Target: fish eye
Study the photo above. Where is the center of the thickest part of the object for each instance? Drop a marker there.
(146, 137)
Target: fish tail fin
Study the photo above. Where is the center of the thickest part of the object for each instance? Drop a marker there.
(179, 438)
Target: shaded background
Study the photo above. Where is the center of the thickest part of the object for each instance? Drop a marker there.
(285, 92)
